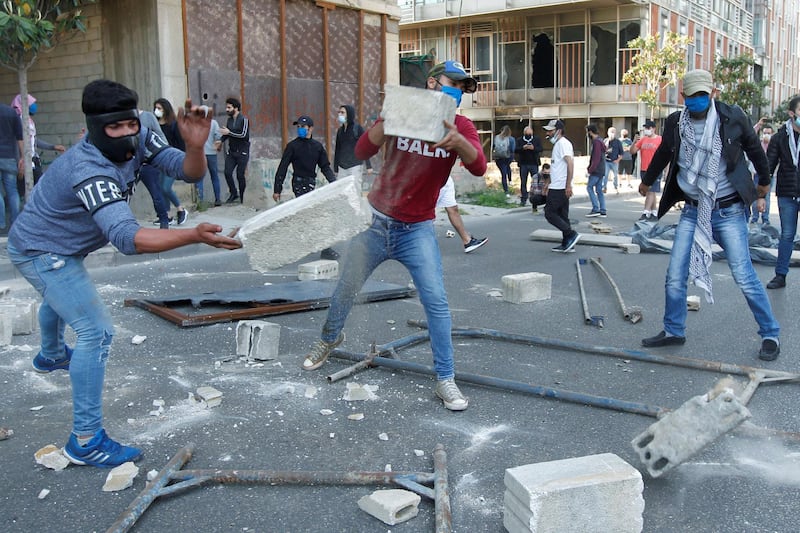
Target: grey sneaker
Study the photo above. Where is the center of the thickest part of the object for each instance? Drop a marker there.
(320, 351)
(449, 393)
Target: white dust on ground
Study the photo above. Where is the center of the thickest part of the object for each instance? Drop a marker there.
(769, 460)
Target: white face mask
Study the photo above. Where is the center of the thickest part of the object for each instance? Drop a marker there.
(342, 119)
(158, 113)
(649, 132)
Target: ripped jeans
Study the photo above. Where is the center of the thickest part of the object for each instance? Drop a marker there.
(70, 298)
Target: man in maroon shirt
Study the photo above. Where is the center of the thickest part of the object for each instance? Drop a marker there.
(403, 200)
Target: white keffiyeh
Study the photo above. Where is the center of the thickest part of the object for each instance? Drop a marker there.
(703, 172)
(794, 146)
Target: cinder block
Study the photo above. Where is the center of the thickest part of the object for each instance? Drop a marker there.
(630, 248)
(687, 430)
(592, 494)
(294, 229)
(391, 506)
(24, 312)
(414, 115)
(526, 287)
(257, 339)
(321, 269)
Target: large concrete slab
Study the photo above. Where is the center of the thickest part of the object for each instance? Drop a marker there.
(416, 113)
(597, 239)
(307, 224)
(595, 493)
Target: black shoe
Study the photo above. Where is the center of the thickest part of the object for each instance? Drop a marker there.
(217, 203)
(474, 244)
(571, 241)
(769, 350)
(662, 339)
(778, 282)
(182, 216)
(329, 253)
(232, 198)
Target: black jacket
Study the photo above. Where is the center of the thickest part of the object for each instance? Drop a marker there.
(239, 136)
(529, 157)
(738, 138)
(346, 138)
(305, 155)
(779, 156)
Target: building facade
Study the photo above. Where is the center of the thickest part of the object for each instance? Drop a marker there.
(280, 58)
(539, 59)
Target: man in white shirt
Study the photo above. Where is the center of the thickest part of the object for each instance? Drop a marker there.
(559, 189)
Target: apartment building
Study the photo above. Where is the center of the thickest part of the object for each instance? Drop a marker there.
(539, 59)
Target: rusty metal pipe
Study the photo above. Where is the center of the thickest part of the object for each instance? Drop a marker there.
(685, 362)
(507, 384)
(288, 477)
(444, 518)
(633, 315)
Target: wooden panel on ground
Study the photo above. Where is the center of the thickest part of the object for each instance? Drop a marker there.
(188, 310)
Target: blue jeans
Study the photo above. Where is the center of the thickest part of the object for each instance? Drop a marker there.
(151, 177)
(524, 172)
(596, 195)
(69, 298)
(166, 190)
(8, 177)
(213, 171)
(505, 172)
(611, 166)
(788, 208)
(729, 227)
(415, 247)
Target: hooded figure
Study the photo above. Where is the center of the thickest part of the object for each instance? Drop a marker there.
(344, 158)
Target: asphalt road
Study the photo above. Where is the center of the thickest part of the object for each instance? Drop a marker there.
(265, 421)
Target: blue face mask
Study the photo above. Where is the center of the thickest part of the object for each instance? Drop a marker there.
(553, 138)
(697, 104)
(302, 132)
(33, 108)
(455, 92)
(797, 121)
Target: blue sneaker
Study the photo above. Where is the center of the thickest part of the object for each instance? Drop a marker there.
(101, 451)
(44, 365)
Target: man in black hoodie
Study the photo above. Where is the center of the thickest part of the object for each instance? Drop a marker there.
(345, 162)
(305, 155)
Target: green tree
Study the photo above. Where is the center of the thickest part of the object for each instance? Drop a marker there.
(27, 29)
(656, 66)
(781, 113)
(735, 76)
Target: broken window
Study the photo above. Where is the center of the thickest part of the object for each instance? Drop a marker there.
(571, 57)
(543, 56)
(603, 53)
(514, 66)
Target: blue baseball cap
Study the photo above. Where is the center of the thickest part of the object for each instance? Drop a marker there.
(455, 71)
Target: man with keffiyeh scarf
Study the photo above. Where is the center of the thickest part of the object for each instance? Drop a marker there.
(783, 153)
(705, 144)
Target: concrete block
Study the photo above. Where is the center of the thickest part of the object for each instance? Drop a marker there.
(6, 326)
(294, 229)
(596, 493)
(209, 395)
(684, 432)
(391, 506)
(526, 287)
(24, 313)
(321, 269)
(693, 303)
(411, 113)
(257, 339)
(630, 248)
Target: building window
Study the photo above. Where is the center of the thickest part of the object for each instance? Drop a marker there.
(603, 57)
(543, 56)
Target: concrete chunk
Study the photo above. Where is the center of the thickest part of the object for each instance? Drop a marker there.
(24, 313)
(210, 396)
(307, 224)
(526, 287)
(411, 113)
(693, 303)
(257, 339)
(51, 457)
(596, 493)
(121, 477)
(687, 430)
(392, 506)
(321, 269)
(630, 248)
(6, 326)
